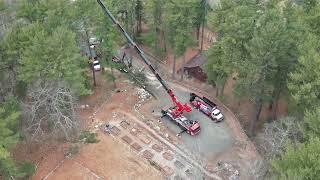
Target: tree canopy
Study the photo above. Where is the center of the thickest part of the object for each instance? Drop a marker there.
(300, 162)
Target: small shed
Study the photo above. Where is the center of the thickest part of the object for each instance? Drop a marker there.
(194, 67)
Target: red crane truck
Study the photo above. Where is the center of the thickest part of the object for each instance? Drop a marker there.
(175, 113)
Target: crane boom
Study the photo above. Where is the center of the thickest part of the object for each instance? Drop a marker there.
(129, 39)
(180, 107)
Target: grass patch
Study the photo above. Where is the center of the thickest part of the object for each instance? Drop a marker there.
(72, 150)
(26, 169)
(223, 98)
(88, 137)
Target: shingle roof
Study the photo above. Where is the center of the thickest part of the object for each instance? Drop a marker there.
(196, 61)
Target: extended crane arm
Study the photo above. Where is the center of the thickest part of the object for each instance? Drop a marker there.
(180, 107)
(129, 39)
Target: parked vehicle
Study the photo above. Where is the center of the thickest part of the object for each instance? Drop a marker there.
(96, 65)
(206, 106)
(94, 41)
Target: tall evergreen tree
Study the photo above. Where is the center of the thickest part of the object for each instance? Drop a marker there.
(304, 83)
(180, 17)
(60, 59)
(299, 163)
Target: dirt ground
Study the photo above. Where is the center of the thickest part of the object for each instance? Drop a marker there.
(107, 159)
(244, 108)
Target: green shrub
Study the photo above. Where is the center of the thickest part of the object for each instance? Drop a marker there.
(7, 167)
(88, 137)
(72, 150)
(26, 169)
(222, 98)
(269, 119)
(2, 5)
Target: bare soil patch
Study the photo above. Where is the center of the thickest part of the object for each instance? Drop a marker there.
(107, 159)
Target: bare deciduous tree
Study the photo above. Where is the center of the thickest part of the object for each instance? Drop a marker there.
(276, 134)
(258, 169)
(50, 110)
(271, 143)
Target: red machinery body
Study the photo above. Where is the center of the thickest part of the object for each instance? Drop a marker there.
(207, 107)
(188, 125)
(179, 106)
(174, 113)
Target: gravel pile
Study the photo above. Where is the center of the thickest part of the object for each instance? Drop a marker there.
(143, 94)
(228, 171)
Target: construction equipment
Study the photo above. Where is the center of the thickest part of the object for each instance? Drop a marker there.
(206, 106)
(174, 113)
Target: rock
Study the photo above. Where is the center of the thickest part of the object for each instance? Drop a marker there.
(127, 139)
(168, 156)
(114, 114)
(147, 154)
(157, 148)
(136, 147)
(142, 94)
(229, 170)
(144, 138)
(167, 171)
(179, 165)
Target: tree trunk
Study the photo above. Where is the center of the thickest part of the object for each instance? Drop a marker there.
(275, 104)
(258, 109)
(164, 42)
(198, 32)
(282, 74)
(14, 81)
(174, 67)
(113, 78)
(217, 91)
(203, 24)
(94, 76)
(138, 16)
(182, 68)
(222, 87)
(202, 37)
(157, 46)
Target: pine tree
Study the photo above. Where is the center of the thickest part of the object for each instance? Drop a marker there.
(179, 23)
(54, 57)
(302, 162)
(304, 82)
